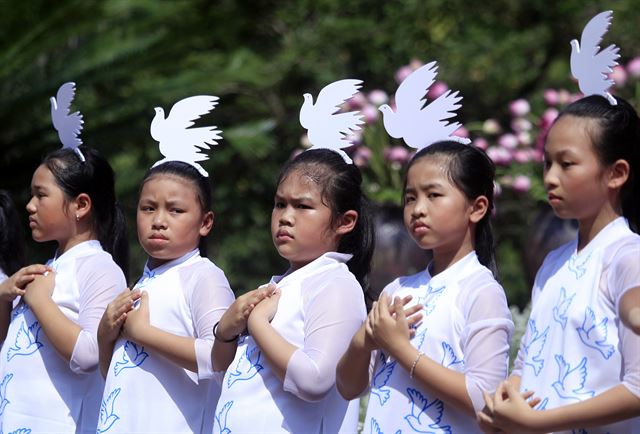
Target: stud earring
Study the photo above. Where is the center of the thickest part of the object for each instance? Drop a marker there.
(77, 218)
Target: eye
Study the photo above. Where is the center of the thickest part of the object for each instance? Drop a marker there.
(433, 195)
(177, 210)
(146, 208)
(566, 164)
(408, 198)
(303, 206)
(278, 205)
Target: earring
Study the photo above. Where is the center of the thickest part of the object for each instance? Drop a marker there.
(77, 218)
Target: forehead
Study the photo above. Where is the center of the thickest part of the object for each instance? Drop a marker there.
(168, 185)
(42, 177)
(431, 169)
(297, 183)
(571, 134)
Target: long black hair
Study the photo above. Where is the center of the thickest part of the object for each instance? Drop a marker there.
(341, 187)
(94, 177)
(473, 173)
(617, 137)
(12, 256)
(189, 173)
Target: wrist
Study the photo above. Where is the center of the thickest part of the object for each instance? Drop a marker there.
(222, 335)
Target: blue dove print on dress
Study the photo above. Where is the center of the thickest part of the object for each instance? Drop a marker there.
(449, 358)
(248, 365)
(26, 341)
(422, 409)
(130, 349)
(3, 392)
(381, 378)
(561, 307)
(20, 431)
(570, 384)
(589, 333)
(578, 268)
(534, 349)
(108, 414)
(430, 298)
(543, 404)
(20, 308)
(375, 428)
(221, 418)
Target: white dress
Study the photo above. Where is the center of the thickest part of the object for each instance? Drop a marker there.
(466, 327)
(39, 390)
(146, 392)
(321, 307)
(574, 347)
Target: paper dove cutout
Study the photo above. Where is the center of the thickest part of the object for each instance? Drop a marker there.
(417, 124)
(325, 128)
(67, 125)
(177, 141)
(589, 65)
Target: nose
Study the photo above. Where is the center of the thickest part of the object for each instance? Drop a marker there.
(549, 177)
(31, 206)
(419, 208)
(159, 221)
(286, 216)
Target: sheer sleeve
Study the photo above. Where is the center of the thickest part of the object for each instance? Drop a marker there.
(622, 274)
(99, 282)
(208, 295)
(485, 339)
(333, 313)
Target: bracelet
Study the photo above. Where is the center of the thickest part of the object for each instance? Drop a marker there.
(415, 362)
(226, 341)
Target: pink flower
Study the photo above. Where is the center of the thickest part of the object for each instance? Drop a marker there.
(491, 126)
(378, 97)
(520, 124)
(481, 143)
(355, 137)
(508, 141)
(563, 96)
(619, 76)
(304, 141)
(357, 101)
(361, 156)
(396, 154)
(548, 117)
(437, 89)
(524, 138)
(551, 97)
(521, 184)
(402, 73)
(519, 107)
(633, 67)
(461, 132)
(370, 113)
(415, 64)
(522, 156)
(499, 155)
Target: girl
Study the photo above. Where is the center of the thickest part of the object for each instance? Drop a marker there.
(575, 354)
(157, 370)
(433, 381)
(282, 375)
(48, 361)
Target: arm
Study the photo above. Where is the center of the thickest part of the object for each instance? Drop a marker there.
(629, 309)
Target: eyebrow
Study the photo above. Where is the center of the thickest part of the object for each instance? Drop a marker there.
(294, 198)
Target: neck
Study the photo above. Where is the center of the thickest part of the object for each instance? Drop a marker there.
(589, 227)
(444, 258)
(66, 245)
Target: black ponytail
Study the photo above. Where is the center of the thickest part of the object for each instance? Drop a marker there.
(94, 177)
(341, 186)
(473, 172)
(189, 173)
(617, 138)
(12, 256)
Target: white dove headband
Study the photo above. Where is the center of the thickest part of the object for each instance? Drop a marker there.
(177, 141)
(589, 64)
(421, 125)
(67, 125)
(325, 127)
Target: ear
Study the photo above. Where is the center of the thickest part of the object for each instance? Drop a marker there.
(618, 173)
(207, 223)
(346, 222)
(81, 206)
(479, 208)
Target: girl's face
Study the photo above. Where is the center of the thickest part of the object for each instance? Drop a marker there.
(50, 216)
(170, 219)
(300, 221)
(436, 213)
(573, 174)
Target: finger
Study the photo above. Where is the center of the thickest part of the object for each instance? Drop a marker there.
(414, 320)
(501, 394)
(511, 391)
(397, 302)
(484, 418)
(407, 299)
(35, 269)
(373, 315)
(528, 394)
(412, 310)
(488, 401)
(534, 402)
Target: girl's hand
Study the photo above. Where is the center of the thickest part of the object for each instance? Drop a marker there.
(509, 411)
(39, 289)
(266, 310)
(137, 320)
(15, 285)
(388, 326)
(364, 340)
(234, 320)
(115, 315)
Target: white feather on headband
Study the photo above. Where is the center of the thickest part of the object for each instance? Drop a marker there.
(590, 65)
(177, 141)
(67, 124)
(421, 125)
(325, 127)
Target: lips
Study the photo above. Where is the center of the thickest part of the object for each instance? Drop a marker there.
(553, 198)
(419, 227)
(158, 237)
(32, 223)
(283, 235)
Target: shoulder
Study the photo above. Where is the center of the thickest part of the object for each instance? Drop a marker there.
(628, 245)
(203, 271)
(482, 295)
(98, 263)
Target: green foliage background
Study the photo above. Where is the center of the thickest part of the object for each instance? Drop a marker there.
(259, 57)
